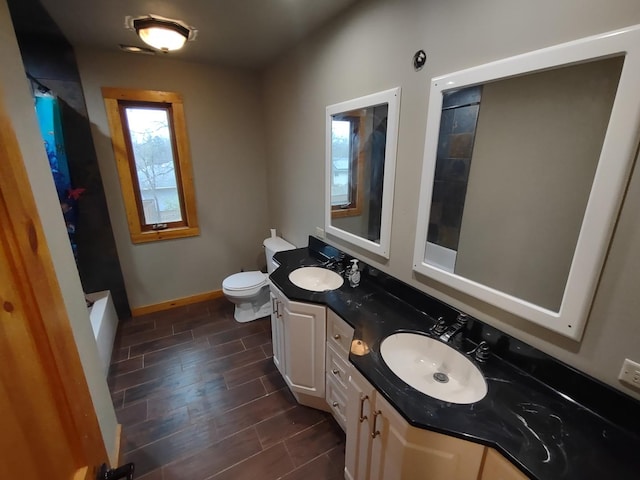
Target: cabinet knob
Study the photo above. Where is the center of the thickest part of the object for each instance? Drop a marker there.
(337, 336)
(335, 371)
(335, 404)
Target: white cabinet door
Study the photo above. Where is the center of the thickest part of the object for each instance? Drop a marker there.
(358, 448)
(384, 446)
(298, 333)
(378, 447)
(304, 347)
(277, 334)
(386, 443)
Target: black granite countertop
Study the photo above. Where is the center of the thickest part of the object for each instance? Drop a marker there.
(553, 422)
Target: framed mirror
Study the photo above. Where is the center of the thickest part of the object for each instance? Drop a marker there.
(525, 166)
(361, 141)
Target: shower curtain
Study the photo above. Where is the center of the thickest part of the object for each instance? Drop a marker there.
(49, 120)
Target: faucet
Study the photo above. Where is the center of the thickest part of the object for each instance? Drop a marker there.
(459, 324)
(332, 262)
(439, 327)
(481, 352)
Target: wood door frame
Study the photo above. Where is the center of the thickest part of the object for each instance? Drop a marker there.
(31, 267)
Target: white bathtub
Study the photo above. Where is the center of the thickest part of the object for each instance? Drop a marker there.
(104, 322)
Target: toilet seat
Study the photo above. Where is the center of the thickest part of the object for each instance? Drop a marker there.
(244, 284)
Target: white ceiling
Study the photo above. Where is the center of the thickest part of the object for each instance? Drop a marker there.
(241, 33)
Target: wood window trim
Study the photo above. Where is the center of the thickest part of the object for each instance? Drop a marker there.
(168, 109)
(355, 208)
(184, 173)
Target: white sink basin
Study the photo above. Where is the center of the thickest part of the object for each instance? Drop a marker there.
(433, 368)
(316, 279)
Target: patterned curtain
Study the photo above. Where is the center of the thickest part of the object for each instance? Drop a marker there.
(49, 120)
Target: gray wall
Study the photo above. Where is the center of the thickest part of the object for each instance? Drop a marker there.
(370, 49)
(225, 129)
(19, 104)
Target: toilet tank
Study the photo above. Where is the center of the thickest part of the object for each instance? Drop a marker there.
(272, 246)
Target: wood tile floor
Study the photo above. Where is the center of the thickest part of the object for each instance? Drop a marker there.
(199, 397)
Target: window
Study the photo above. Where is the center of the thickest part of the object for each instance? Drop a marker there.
(347, 153)
(341, 170)
(149, 137)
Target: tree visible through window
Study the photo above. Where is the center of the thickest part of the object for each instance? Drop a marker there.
(149, 138)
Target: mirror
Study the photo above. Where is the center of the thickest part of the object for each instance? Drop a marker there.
(537, 171)
(361, 140)
(526, 161)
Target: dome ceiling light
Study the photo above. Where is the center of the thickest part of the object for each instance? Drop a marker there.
(162, 33)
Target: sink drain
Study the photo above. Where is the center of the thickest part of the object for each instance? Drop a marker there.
(441, 377)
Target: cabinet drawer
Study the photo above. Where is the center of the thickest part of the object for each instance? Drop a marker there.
(337, 367)
(339, 333)
(337, 400)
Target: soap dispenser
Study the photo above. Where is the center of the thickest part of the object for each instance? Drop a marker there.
(353, 274)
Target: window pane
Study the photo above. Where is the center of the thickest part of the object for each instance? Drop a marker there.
(340, 161)
(155, 168)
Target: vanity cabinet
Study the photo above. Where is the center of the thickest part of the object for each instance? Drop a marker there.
(298, 337)
(338, 368)
(311, 350)
(382, 445)
(496, 467)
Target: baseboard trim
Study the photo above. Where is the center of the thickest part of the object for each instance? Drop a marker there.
(179, 302)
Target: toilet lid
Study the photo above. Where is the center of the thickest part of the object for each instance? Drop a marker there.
(244, 281)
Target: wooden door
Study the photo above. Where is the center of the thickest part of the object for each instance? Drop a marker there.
(48, 426)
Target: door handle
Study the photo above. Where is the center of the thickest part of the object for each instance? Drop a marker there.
(362, 400)
(374, 432)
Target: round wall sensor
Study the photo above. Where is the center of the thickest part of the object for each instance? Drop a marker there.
(419, 60)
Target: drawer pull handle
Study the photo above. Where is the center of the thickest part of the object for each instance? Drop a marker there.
(337, 336)
(363, 417)
(374, 432)
(335, 371)
(335, 404)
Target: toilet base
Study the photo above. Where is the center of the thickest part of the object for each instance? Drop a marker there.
(247, 312)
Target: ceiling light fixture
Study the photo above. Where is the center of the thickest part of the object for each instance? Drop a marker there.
(162, 34)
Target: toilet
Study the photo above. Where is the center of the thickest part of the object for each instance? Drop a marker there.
(249, 291)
